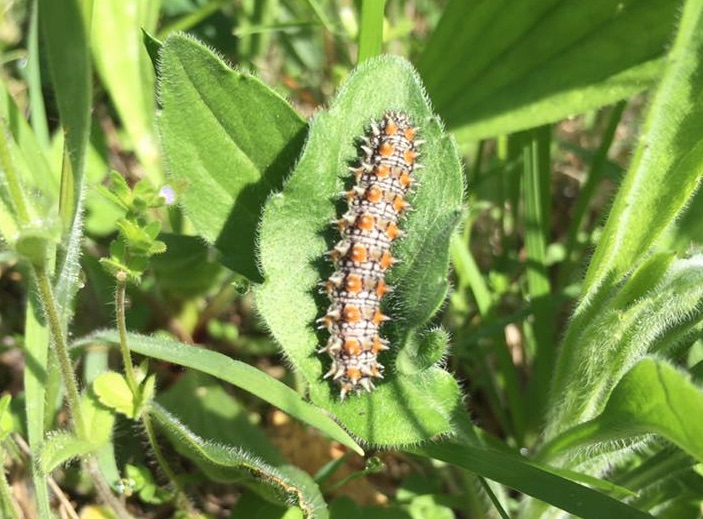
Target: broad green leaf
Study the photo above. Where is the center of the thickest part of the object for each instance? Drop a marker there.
(496, 67)
(237, 373)
(230, 139)
(226, 463)
(653, 397)
(519, 474)
(126, 71)
(295, 234)
(668, 162)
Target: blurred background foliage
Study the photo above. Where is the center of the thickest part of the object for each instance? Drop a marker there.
(563, 84)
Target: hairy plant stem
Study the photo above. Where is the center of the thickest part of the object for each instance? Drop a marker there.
(72, 393)
(181, 498)
(103, 487)
(122, 330)
(120, 294)
(59, 339)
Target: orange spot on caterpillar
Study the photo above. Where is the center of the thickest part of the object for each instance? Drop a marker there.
(351, 314)
(386, 149)
(409, 156)
(382, 171)
(353, 283)
(374, 194)
(391, 128)
(386, 260)
(392, 231)
(365, 222)
(358, 253)
(352, 347)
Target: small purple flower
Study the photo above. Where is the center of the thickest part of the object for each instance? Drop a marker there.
(168, 194)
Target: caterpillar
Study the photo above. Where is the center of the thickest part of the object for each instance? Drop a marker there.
(384, 176)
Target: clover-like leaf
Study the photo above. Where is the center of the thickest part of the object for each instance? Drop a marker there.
(113, 391)
(295, 233)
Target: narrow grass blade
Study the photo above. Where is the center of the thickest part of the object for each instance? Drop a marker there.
(32, 160)
(66, 46)
(371, 29)
(524, 477)
(36, 354)
(126, 72)
(34, 84)
(536, 184)
(595, 174)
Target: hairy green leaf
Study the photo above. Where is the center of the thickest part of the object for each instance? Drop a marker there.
(609, 334)
(230, 139)
(63, 446)
(227, 463)
(295, 234)
(202, 404)
(653, 397)
(668, 162)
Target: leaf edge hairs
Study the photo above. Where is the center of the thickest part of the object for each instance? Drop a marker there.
(376, 204)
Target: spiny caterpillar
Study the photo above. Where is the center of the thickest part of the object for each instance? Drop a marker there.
(377, 202)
